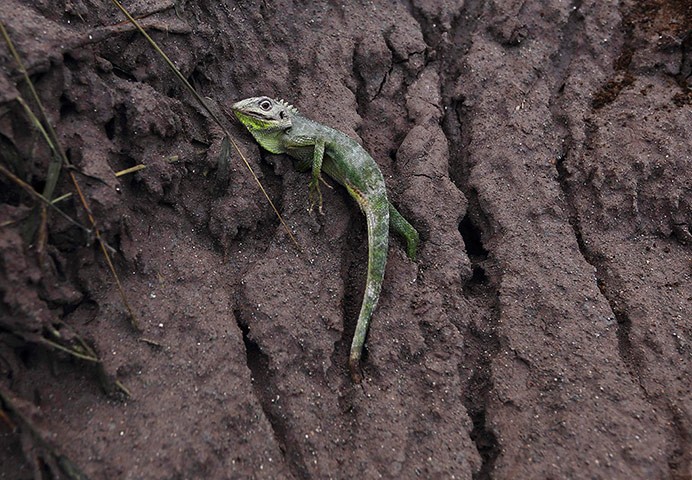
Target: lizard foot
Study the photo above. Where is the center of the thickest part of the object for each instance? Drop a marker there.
(315, 195)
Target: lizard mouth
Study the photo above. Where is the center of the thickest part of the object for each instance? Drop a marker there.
(242, 109)
(238, 106)
(253, 120)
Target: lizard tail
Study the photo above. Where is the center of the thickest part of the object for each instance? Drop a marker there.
(377, 214)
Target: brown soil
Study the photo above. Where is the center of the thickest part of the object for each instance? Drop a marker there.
(542, 149)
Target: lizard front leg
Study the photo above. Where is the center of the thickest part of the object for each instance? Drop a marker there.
(315, 193)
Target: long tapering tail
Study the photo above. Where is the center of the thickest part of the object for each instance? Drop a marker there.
(376, 209)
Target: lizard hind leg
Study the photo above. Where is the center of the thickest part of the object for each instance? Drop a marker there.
(399, 225)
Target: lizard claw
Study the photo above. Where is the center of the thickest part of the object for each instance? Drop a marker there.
(312, 207)
(315, 195)
(326, 183)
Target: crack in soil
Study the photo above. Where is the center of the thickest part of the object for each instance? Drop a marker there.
(361, 93)
(679, 458)
(562, 61)
(482, 344)
(632, 357)
(263, 387)
(353, 274)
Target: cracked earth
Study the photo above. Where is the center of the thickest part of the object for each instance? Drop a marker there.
(542, 150)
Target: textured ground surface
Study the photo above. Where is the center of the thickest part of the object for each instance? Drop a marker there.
(542, 149)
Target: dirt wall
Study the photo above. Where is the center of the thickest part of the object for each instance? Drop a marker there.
(542, 149)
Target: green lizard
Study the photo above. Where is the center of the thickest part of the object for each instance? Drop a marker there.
(280, 128)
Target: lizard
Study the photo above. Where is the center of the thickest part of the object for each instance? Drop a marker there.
(280, 128)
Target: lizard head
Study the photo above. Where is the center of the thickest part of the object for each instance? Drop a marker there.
(266, 119)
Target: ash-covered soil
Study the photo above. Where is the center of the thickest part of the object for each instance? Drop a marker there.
(542, 149)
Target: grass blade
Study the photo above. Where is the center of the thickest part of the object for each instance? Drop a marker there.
(30, 190)
(201, 101)
(52, 139)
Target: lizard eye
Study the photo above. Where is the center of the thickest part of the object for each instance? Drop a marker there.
(265, 105)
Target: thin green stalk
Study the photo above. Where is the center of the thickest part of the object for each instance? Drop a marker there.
(52, 139)
(30, 190)
(199, 99)
(58, 153)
